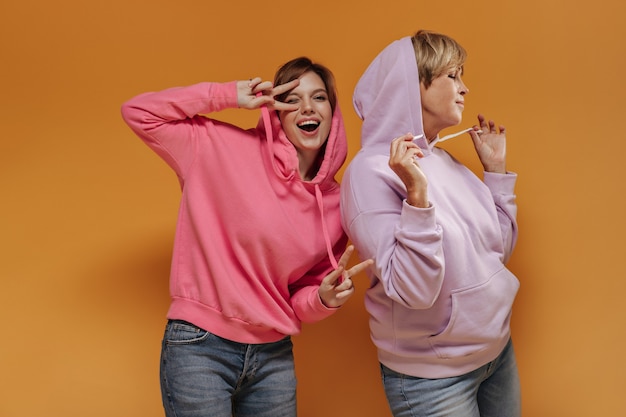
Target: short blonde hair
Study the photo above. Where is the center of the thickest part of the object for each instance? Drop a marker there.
(435, 54)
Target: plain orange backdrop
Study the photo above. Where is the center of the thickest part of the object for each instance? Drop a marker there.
(88, 212)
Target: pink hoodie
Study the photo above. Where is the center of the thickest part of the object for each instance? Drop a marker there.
(253, 240)
(441, 297)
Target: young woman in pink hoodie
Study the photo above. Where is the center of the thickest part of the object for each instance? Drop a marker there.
(441, 297)
(259, 246)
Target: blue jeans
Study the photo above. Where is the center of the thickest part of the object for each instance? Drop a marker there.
(492, 390)
(203, 375)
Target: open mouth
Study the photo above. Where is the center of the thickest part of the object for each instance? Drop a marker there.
(308, 125)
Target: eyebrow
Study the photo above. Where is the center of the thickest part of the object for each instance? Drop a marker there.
(319, 90)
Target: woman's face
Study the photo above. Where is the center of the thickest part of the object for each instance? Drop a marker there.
(443, 102)
(308, 127)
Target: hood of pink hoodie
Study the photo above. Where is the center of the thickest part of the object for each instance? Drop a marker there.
(285, 161)
(285, 157)
(387, 98)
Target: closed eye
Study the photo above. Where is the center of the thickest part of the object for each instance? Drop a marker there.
(455, 73)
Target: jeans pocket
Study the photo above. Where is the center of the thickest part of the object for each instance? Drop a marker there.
(180, 332)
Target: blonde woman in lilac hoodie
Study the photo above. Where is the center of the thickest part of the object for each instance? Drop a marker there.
(441, 296)
(259, 246)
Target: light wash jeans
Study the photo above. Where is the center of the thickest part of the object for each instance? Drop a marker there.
(203, 375)
(492, 390)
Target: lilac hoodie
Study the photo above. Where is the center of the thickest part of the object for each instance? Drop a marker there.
(253, 241)
(440, 298)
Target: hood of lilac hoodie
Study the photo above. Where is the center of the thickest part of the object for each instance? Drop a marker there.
(440, 297)
(387, 98)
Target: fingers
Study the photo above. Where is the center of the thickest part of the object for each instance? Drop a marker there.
(258, 85)
(338, 286)
(407, 138)
(486, 126)
(403, 156)
(249, 93)
(332, 278)
(258, 101)
(345, 290)
(341, 275)
(357, 269)
(489, 126)
(255, 92)
(280, 106)
(481, 121)
(360, 267)
(264, 93)
(346, 285)
(343, 261)
(283, 88)
(404, 146)
(345, 280)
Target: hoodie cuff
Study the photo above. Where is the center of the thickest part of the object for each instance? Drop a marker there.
(500, 183)
(417, 217)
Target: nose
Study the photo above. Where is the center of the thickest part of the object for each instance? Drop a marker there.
(463, 88)
(307, 106)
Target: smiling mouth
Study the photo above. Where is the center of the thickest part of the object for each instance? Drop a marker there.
(308, 125)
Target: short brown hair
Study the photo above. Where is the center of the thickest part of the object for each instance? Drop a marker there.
(435, 54)
(299, 66)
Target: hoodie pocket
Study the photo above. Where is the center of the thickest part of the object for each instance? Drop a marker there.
(480, 316)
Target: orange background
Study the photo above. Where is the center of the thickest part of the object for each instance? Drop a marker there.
(88, 212)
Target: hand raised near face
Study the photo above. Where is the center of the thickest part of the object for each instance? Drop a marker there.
(403, 156)
(490, 145)
(254, 93)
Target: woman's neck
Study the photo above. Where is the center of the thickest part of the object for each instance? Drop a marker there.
(430, 135)
(430, 132)
(308, 166)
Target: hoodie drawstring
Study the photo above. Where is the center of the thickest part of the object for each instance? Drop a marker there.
(265, 113)
(329, 247)
(318, 192)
